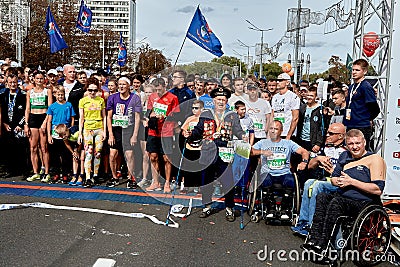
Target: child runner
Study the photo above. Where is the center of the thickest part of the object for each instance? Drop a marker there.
(60, 112)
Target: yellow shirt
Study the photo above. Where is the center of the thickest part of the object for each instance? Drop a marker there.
(92, 112)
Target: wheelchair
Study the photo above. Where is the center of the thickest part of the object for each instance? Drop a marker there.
(276, 200)
(364, 238)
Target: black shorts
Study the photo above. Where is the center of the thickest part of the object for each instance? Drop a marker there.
(36, 120)
(122, 138)
(117, 132)
(160, 145)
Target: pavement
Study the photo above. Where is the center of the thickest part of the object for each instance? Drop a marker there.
(52, 237)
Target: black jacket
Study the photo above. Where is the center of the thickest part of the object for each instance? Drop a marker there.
(18, 118)
(316, 136)
(75, 95)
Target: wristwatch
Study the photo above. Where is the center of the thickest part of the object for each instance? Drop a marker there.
(304, 160)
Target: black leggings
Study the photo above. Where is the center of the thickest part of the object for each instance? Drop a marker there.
(329, 207)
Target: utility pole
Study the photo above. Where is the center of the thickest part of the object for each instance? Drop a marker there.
(255, 28)
(297, 44)
(248, 55)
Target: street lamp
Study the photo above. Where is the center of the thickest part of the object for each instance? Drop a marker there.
(134, 57)
(240, 61)
(248, 55)
(255, 28)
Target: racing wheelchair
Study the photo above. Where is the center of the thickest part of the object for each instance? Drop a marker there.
(363, 238)
(273, 204)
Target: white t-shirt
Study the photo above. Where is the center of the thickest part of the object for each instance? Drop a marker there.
(68, 87)
(283, 106)
(232, 100)
(258, 111)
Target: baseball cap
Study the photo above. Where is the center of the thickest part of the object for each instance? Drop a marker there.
(251, 86)
(59, 68)
(52, 71)
(283, 76)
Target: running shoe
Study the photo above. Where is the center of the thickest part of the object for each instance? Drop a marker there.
(205, 212)
(89, 183)
(143, 183)
(229, 215)
(46, 178)
(113, 182)
(131, 184)
(33, 177)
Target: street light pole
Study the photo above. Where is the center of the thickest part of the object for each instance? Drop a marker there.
(240, 61)
(248, 55)
(255, 28)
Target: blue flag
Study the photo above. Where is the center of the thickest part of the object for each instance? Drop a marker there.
(200, 33)
(121, 52)
(57, 42)
(84, 20)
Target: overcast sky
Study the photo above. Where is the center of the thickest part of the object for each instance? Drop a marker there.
(165, 23)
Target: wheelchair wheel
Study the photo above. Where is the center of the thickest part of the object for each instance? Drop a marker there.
(371, 235)
(296, 200)
(252, 192)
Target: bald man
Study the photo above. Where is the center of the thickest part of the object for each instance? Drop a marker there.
(321, 168)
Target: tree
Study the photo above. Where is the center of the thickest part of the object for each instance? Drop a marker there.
(231, 62)
(151, 60)
(338, 70)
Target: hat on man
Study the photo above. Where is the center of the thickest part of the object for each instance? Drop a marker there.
(220, 91)
(52, 71)
(283, 76)
(59, 68)
(252, 86)
(303, 88)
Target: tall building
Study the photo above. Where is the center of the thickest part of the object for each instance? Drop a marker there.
(120, 15)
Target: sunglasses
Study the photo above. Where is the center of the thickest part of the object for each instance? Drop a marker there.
(91, 90)
(331, 133)
(195, 107)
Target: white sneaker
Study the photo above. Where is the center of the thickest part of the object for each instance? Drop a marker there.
(270, 215)
(284, 217)
(143, 183)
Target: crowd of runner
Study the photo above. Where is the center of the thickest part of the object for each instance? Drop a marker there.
(85, 128)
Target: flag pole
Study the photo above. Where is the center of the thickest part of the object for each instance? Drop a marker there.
(180, 50)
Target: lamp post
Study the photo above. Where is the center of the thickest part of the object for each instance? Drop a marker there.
(240, 61)
(255, 28)
(134, 52)
(248, 55)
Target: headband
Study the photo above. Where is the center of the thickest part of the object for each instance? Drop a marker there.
(126, 79)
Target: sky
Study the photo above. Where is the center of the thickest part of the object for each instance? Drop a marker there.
(164, 24)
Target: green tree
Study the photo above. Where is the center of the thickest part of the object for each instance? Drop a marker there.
(338, 70)
(231, 62)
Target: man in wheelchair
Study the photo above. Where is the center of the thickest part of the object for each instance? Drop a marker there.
(275, 169)
(320, 169)
(360, 176)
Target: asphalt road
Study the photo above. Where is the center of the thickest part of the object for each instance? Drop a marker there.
(49, 237)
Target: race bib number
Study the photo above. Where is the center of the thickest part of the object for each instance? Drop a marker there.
(226, 154)
(39, 101)
(160, 109)
(280, 116)
(120, 120)
(258, 126)
(191, 125)
(277, 161)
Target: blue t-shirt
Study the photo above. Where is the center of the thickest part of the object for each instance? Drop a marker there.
(62, 113)
(279, 162)
(360, 95)
(208, 101)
